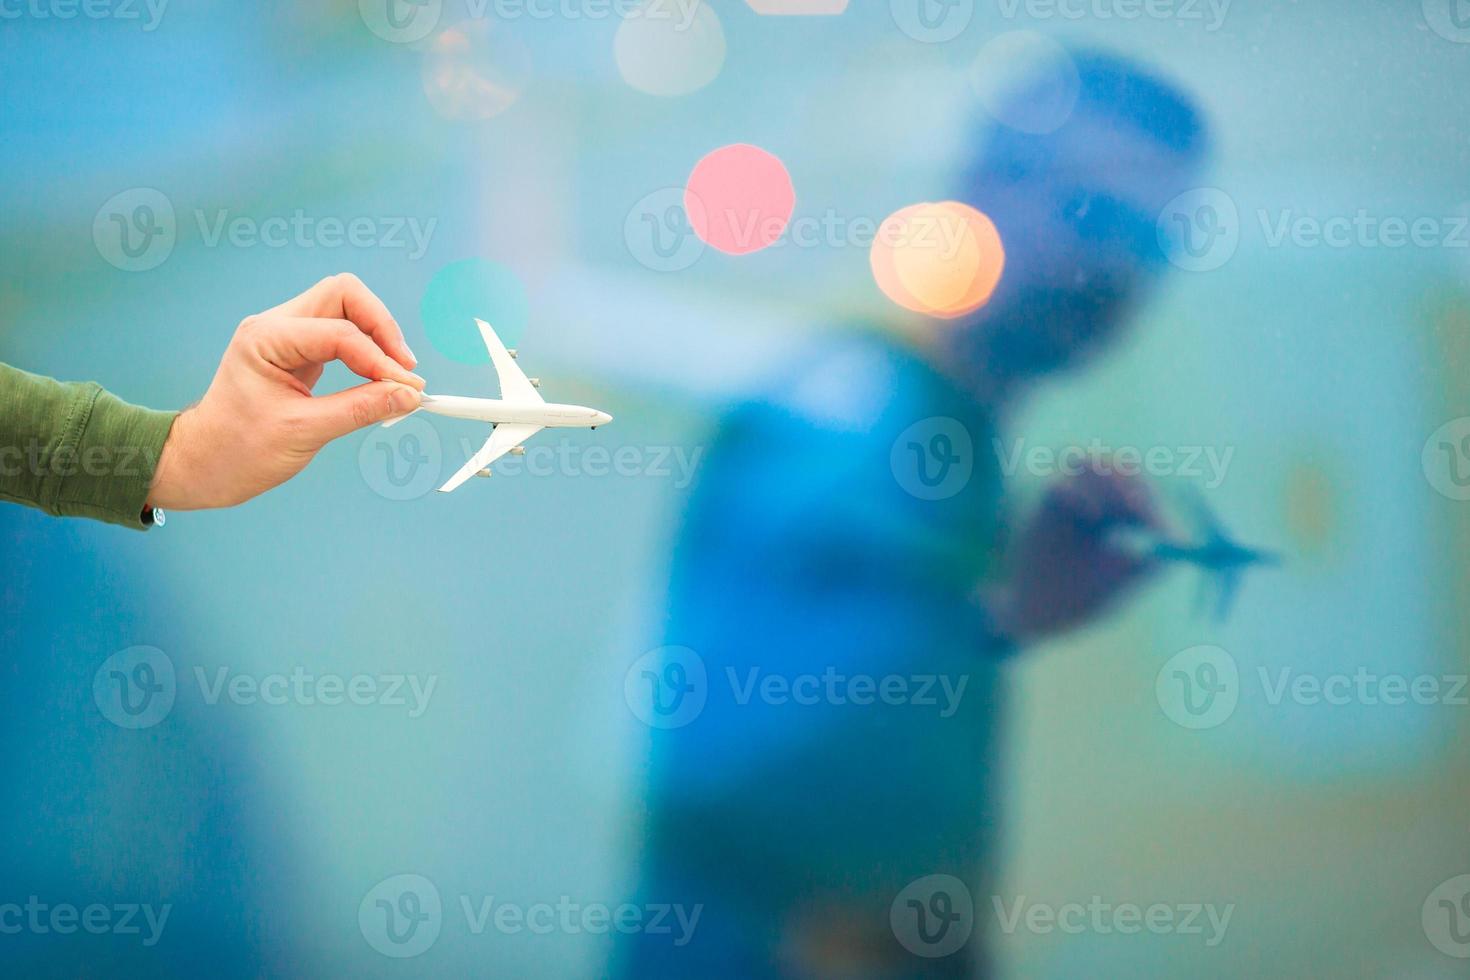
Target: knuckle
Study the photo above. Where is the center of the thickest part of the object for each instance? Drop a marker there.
(364, 411)
(347, 280)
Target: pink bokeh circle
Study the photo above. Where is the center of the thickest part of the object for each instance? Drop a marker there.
(739, 199)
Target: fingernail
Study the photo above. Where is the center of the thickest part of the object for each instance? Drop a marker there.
(403, 399)
(414, 358)
(416, 381)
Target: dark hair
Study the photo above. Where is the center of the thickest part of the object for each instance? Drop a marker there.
(1109, 88)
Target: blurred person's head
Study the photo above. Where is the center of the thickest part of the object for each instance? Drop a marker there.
(1075, 187)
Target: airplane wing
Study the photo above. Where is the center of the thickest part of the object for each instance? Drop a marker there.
(1202, 594)
(506, 437)
(514, 385)
(1229, 582)
(1199, 509)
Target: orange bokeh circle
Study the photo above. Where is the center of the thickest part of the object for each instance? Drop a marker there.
(940, 259)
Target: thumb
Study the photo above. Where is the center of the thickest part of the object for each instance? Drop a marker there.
(332, 416)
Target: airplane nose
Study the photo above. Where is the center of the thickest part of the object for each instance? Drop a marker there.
(603, 418)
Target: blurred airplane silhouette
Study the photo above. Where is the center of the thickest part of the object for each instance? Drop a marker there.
(1219, 557)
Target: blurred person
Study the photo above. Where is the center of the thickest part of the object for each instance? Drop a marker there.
(797, 803)
(73, 449)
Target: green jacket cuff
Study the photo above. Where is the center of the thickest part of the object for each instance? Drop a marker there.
(74, 450)
(111, 468)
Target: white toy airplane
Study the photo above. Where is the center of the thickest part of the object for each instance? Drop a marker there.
(518, 414)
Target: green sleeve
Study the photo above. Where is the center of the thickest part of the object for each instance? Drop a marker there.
(73, 450)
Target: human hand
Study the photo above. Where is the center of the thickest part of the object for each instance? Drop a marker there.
(1067, 566)
(259, 424)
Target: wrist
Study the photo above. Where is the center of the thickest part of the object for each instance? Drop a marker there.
(173, 483)
(999, 612)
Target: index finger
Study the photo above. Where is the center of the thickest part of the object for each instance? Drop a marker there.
(290, 343)
(346, 297)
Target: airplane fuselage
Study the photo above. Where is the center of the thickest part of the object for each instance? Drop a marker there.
(498, 411)
(1216, 556)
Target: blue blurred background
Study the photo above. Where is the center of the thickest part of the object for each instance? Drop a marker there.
(1328, 371)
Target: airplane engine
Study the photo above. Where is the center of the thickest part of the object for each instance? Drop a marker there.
(518, 451)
